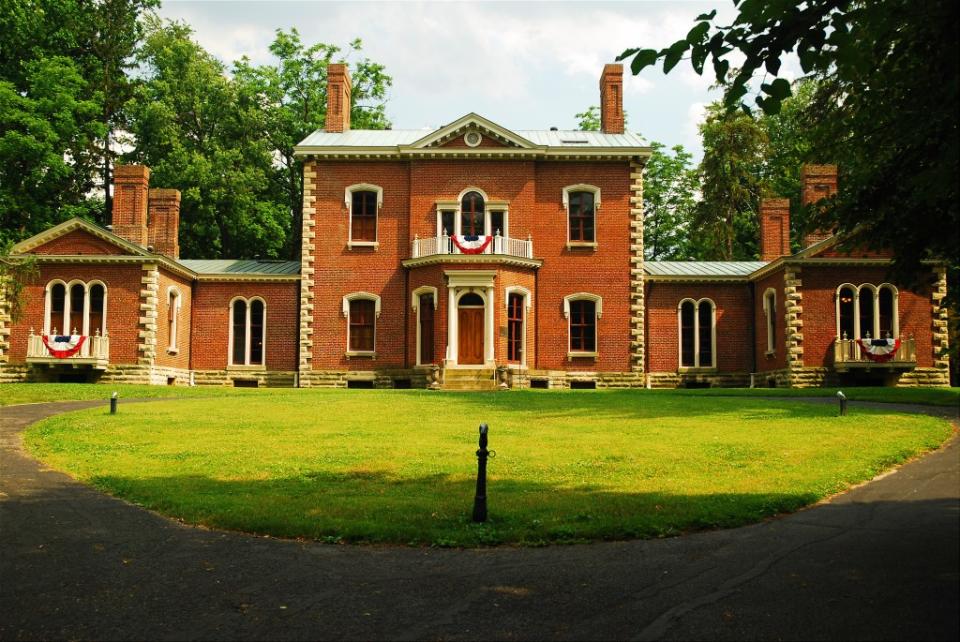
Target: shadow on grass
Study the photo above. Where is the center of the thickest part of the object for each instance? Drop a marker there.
(435, 509)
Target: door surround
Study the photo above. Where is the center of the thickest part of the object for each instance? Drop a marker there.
(460, 283)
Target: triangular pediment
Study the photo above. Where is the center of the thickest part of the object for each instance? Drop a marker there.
(77, 236)
(843, 246)
(462, 127)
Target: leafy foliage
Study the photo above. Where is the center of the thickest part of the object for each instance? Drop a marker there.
(669, 204)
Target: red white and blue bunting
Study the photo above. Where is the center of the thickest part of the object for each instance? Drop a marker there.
(471, 244)
(63, 346)
(879, 350)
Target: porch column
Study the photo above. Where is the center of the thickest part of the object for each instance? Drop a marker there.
(451, 325)
(489, 342)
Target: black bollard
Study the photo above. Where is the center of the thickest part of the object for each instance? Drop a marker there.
(480, 500)
(843, 402)
(113, 404)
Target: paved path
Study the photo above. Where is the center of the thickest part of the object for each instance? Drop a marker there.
(880, 562)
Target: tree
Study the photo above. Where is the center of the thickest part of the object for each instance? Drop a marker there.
(669, 203)
(288, 100)
(734, 150)
(589, 120)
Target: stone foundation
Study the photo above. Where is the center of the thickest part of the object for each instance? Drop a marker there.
(699, 379)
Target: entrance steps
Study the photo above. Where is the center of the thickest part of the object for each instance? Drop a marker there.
(469, 379)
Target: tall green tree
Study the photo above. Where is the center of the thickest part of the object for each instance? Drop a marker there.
(731, 178)
(669, 203)
(287, 100)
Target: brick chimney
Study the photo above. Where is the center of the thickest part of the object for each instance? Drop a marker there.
(129, 216)
(338, 98)
(817, 182)
(164, 225)
(611, 99)
(774, 228)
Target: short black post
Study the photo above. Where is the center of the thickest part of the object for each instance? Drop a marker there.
(843, 402)
(113, 404)
(480, 500)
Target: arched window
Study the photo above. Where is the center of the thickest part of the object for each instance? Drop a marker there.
(581, 202)
(697, 321)
(173, 319)
(867, 316)
(770, 308)
(77, 306)
(845, 312)
(888, 326)
(363, 202)
(472, 214)
(515, 327)
(582, 310)
(248, 324)
(867, 310)
(361, 310)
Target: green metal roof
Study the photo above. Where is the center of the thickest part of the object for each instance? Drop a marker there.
(241, 266)
(702, 268)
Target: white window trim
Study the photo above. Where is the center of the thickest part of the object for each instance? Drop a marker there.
(875, 290)
(348, 201)
(581, 187)
(367, 296)
(173, 343)
(246, 348)
(598, 309)
(771, 312)
(415, 304)
(527, 298)
(85, 324)
(696, 335)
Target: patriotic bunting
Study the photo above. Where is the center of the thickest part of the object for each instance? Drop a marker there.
(879, 350)
(471, 244)
(63, 346)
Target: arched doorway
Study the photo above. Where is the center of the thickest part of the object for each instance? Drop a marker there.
(470, 324)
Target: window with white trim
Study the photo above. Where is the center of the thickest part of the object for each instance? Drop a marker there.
(363, 202)
(770, 308)
(173, 319)
(248, 324)
(473, 213)
(75, 308)
(697, 325)
(581, 203)
(361, 310)
(867, 311)
(582, 311)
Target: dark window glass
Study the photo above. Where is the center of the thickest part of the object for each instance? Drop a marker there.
(364, 216)
(58, 297)
(581, 216)
(687, 338)
(886, 313)
(471, 214)
(446, 223)
(846, 313)
(361, 325)
(706, 332)
(515, 328)
(256, 333)
(496, 224)
(97, 295)
(772, 321)
(583, 326)
(239, 333)
(426, 328)
(77, 295)
(471, 300)
(866, 313)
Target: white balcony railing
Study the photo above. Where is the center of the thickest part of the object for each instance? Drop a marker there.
(847, 353)
(503, 245)
(95, 351)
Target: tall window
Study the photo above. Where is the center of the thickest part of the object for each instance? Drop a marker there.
(845, 312)
(248, 322)
(362, 325)
(425, 312)
(867, 309)
(76, 306)
(363, 217)
(173, 319)
(770, 307)
(446, 223)
(866, 312)
(581, 212)
(583, 326)
(697, 322)
(885, 305)
(472, 214)
(498, 224)
(515, 328)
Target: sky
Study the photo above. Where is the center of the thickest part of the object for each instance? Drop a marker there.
(524, 65)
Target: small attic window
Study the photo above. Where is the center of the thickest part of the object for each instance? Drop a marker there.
(472, 139)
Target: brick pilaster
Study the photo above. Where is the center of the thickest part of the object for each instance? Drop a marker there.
(149, 306)
(793, 311)
(305, 362)
(636, 268)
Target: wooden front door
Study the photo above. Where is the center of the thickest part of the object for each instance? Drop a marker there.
(470, 337)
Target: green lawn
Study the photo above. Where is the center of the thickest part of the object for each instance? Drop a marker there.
(399, 466)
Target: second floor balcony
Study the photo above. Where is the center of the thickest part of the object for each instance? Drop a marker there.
(868, 353)
(70, 350)
(472, 245)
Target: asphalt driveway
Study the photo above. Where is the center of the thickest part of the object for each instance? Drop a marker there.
(880, 562)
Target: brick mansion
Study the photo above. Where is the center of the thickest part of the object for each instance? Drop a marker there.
(468, 257)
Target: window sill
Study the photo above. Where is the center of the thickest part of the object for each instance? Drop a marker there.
(173, 351)
(697, 370)
(582, 245)
(246, 368)
(582, 355)
(354, 244)
(363, 354)
(770, 354)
